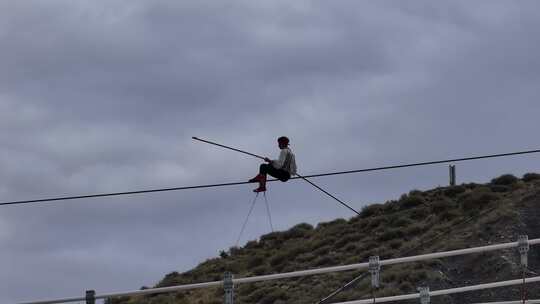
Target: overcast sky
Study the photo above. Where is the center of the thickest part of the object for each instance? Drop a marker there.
(104, 96)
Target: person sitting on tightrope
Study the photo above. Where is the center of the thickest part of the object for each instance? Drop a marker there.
(282, 168)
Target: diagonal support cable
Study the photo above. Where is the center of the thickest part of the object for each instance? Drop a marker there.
(268, 211)
(327, 193)
(247, 218)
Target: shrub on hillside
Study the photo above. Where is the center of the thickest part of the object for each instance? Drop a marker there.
(419, 213)
(395, 244)
(415, 192)
(170, 279)
(418, 275)
(409, 201)
(298, 231)
(272, 239)
(326, 260)
(322, 250)
(471, 186)
(390, 206)
(305, 257)
(274, 296)
(449, 215)
(252, 245)
(321, 242)
(530, 177)
(477, 199)
(400, 221)
(351, 247)
(117, 300)
(499, 188)
(260, 270)
(279, 259)
(373, 224)
(235, 250)
(346, 239)
(391, 234)
(255, 260)
(505, 180)
(372, 210)
(271, 236)
(406, 286)
(255, 296)
(454, 190)
(442, 204)
(415, 229)
(287, 254)
(334, 223)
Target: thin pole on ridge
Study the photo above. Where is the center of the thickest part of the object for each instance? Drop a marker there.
(300, 176)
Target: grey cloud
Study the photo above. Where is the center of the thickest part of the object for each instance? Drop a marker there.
(105, 97)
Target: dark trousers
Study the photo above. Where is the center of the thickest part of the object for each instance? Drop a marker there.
(280, 174)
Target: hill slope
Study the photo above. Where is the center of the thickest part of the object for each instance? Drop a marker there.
(444, 218)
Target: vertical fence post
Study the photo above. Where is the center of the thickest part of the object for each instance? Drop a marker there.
(523, 248)
(452, 175)
(90, 297)
(229, 288)
(424, 295)
(374, 269)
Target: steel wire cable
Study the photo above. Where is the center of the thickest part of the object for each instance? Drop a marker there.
(247, 218)
(63, 198)
(268, 212)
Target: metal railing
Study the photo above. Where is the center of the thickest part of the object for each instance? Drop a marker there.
(446, 291)
(293, 274)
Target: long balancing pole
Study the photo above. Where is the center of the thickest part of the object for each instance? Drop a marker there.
(258, 156)
(226, 147)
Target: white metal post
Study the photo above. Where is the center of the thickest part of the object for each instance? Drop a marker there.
(523, 248)
(424, 295)
(228, 285)
(90, 297)
(374, 269)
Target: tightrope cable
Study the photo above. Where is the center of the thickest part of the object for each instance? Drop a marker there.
(64, 198)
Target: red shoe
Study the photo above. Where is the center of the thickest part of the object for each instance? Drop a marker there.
(258, 178)
(260, 189)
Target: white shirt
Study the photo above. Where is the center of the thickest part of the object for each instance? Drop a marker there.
(286, 161)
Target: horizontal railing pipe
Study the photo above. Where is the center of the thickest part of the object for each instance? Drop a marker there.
(300, 273)
(64, 300)
(446, 291)
(513, 302)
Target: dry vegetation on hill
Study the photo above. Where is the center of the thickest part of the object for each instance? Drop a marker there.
(419, 222)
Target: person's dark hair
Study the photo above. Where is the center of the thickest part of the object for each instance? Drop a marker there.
(283, 140)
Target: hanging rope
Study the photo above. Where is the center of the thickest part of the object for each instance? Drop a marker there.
(268, 211)
(247, 218)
